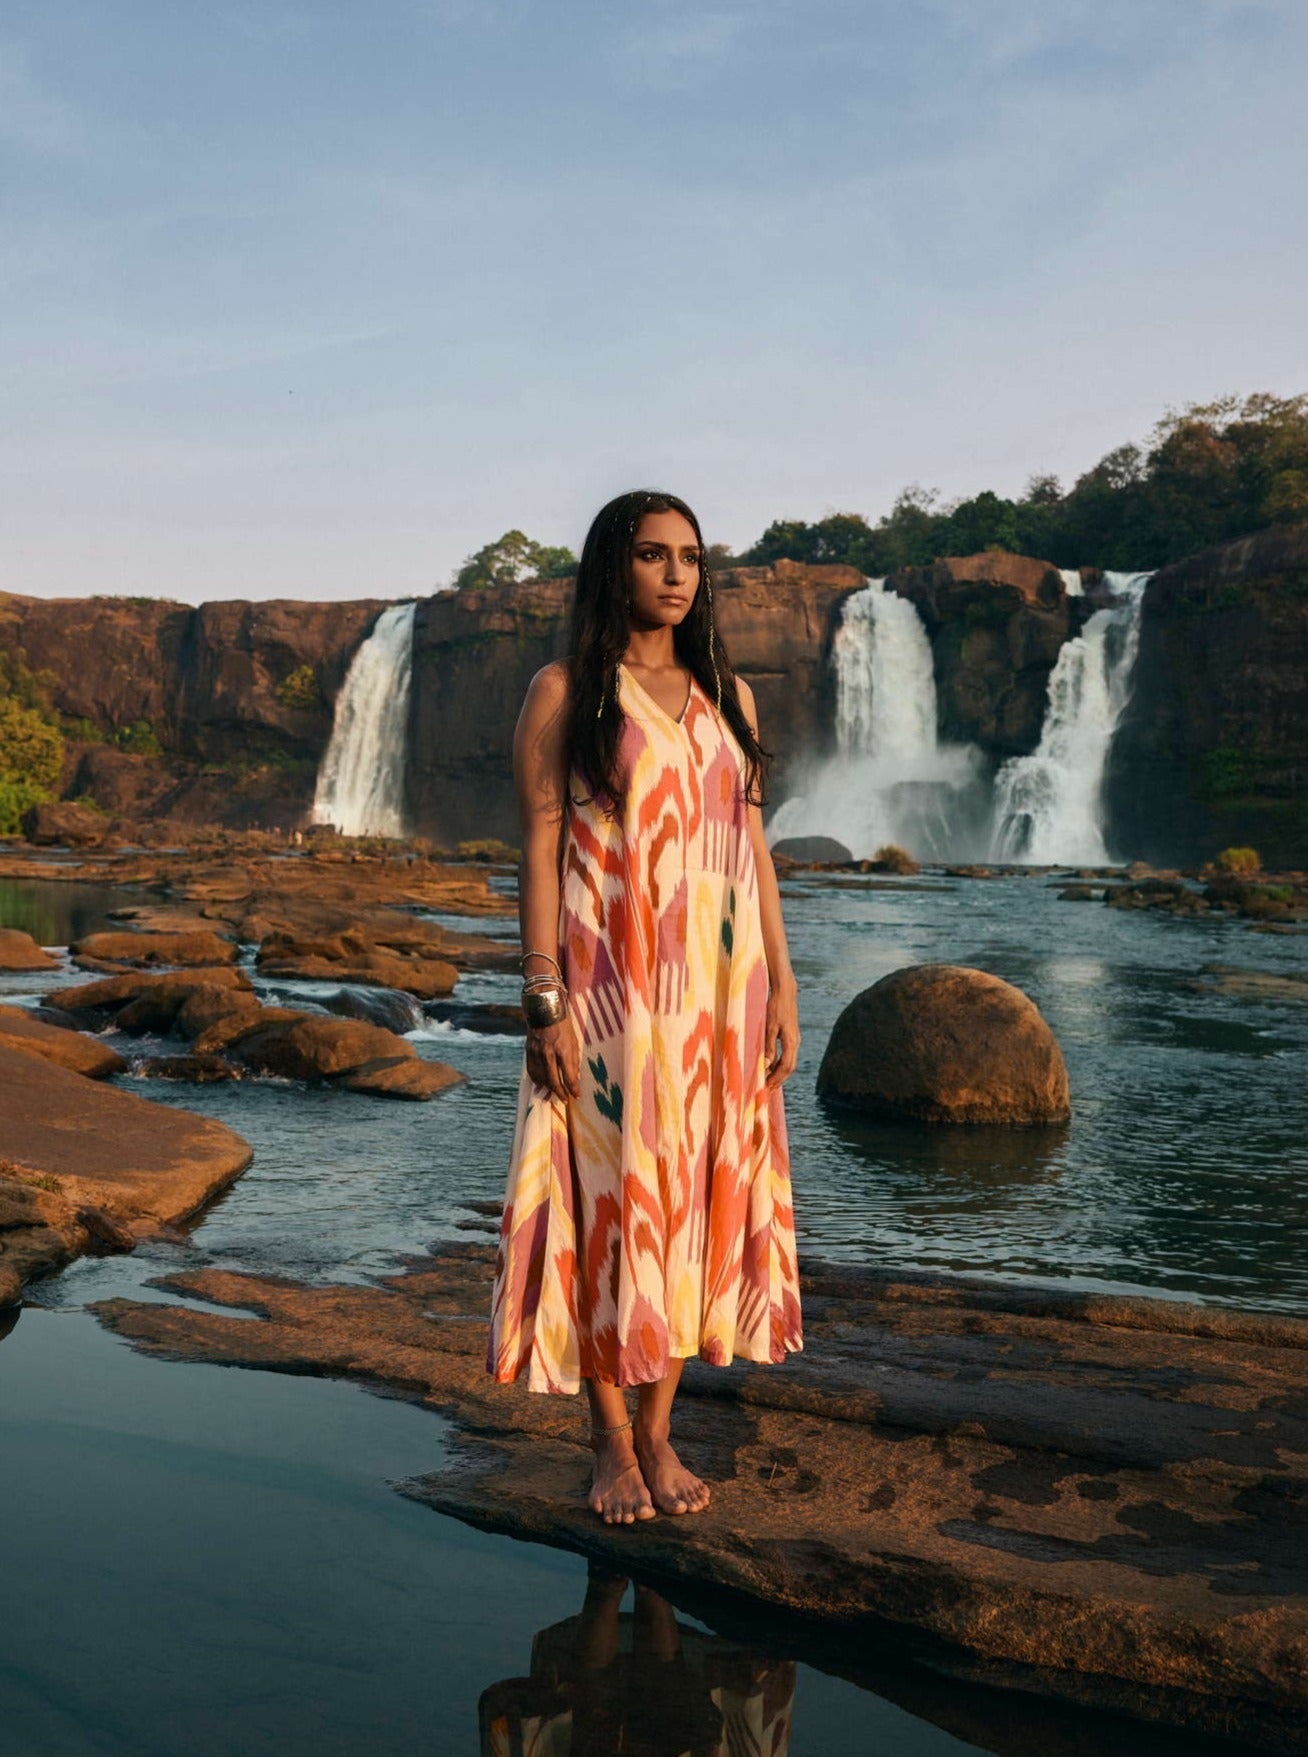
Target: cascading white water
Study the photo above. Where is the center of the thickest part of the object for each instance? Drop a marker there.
(361, 780)
(891, 780)
(1049, 805)
(1072, 581)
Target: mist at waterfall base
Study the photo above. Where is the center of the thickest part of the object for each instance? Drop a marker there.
(361, 779)
(893, 781)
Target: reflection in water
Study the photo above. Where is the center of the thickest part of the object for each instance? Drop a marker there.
(979, 1155)
(56, 911)
(639, 1683)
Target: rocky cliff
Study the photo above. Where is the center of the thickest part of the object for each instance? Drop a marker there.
(1213, 747)
(996, 622)
(475, 652)
(236, 698)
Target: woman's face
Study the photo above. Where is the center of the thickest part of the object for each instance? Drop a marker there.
(664, 569)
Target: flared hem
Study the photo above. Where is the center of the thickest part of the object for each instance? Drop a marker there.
(567, 1387)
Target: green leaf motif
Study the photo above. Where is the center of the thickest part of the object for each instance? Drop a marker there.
(608, 1096)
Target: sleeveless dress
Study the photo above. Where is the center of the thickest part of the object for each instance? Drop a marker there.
(650, 1217)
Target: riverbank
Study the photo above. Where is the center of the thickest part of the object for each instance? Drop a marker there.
(1097, 1500)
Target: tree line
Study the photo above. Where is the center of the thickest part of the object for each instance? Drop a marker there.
(1209, 472)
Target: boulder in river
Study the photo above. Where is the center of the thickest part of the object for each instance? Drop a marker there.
(390, 1008)
(314, 1047)
(810, 850)
(19, 951)
(75, 1050)
(404, 1078)
(100, 1002)
(941, 1043)
(132, 950)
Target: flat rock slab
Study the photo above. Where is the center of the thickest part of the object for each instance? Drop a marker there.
(79, 1145)
(1106, 1496)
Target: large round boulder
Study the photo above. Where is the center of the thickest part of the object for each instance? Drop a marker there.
(940, 1043)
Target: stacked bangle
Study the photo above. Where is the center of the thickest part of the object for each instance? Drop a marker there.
(544, 996)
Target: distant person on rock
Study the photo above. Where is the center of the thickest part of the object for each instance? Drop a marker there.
(647, 1216)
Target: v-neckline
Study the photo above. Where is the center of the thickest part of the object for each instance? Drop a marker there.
(658, 706)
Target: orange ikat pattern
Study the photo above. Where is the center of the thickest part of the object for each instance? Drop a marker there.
(650, 1217)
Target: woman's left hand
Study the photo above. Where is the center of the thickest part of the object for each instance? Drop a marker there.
(781, 1032)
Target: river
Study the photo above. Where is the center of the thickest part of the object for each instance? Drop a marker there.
(210, 1561)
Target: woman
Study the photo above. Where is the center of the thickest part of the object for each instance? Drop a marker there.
(648, 1213)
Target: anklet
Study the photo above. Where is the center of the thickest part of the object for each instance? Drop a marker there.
(603, 1433)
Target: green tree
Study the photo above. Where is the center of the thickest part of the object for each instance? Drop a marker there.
(512, 558)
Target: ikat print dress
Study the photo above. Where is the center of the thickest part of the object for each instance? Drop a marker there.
(650, 1217)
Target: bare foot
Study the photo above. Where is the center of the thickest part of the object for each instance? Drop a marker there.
(673, 1488)
(617, 1488)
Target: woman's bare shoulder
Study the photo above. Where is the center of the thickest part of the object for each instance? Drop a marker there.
(548, 692)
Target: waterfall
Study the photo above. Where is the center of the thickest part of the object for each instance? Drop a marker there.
(1072, 581)
(361, 780)
(891, 780)
(1049, 805)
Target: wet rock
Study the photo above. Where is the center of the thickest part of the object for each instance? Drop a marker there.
(201, 1070)
(490, 1018)
(99, 1148)
(805, 849)
(105, 1230)
(228, 1029)
(1105, 1492)
(19, 951)
(423, 977)
(940, 1043)
(74, 1050)
(207, 1006)
(390, 1008)
(135, 950)
(1080, 894)
(103, 1001)
(403, 1078)
(313, 1047)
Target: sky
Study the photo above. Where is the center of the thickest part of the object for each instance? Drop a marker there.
(312, 298)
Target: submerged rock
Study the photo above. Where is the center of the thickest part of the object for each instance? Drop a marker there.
(940, 1043)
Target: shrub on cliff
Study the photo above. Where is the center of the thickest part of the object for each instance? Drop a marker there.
(300, 689)
(31, 756)
(31, 743)
(1238, 860)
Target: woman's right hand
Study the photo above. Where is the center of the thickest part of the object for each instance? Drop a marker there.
(554, 1058)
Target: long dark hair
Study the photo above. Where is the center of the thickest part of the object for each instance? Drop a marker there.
(601, 628)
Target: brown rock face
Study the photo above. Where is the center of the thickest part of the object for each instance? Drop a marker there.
(68, 1049)
(475, 653)
(940, 1043)
(1212, 750)
(19, 951)
(61, 823)
(158, 996)
(996, 623)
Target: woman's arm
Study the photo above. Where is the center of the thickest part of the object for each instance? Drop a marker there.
(783, 993)
(540, 779)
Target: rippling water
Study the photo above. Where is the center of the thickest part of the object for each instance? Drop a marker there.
(1184, 1170)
